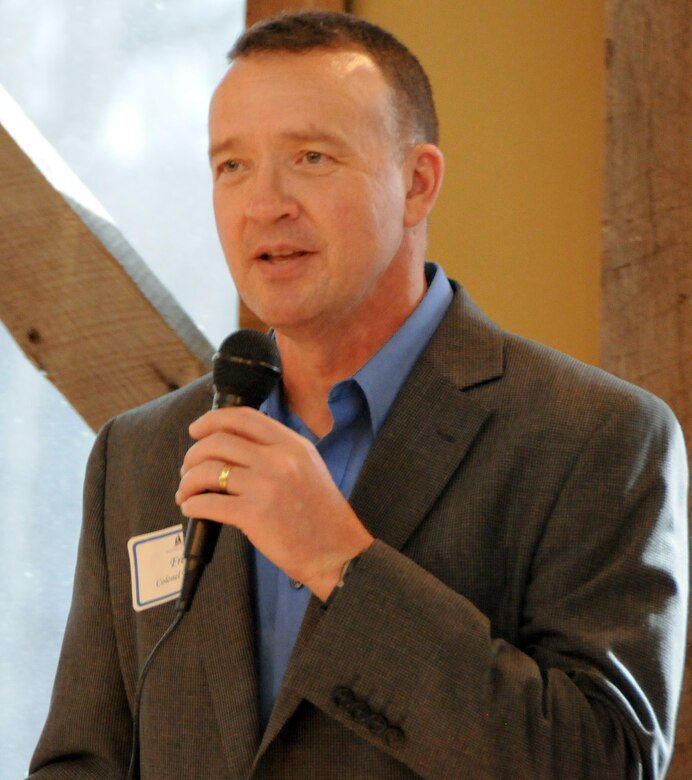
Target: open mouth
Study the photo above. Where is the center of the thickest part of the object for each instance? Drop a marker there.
(278, 257)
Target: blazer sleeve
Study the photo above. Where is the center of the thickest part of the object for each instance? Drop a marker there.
(88, 730)
(588, 688)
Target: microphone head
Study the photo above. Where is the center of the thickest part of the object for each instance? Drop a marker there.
(247, 366)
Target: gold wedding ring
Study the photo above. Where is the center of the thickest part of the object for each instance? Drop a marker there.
(223, 476)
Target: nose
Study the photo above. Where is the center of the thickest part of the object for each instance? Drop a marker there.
(269, 197)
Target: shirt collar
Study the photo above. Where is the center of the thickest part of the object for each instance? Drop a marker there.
(383, 376)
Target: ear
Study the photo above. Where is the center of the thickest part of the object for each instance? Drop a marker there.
(424, 169)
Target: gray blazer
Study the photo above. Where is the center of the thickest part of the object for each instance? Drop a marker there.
(521, 614)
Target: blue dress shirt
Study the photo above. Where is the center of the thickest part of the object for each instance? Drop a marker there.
(359, 407)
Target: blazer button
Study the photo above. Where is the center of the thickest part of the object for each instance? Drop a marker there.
(359, 711)
(394, 737)
(343, 696)
(378, 724)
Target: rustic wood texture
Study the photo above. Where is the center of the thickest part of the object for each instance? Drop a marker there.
(75, 296)
(647, 229)
(254, 11)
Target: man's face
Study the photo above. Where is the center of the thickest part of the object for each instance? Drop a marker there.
(310, 189)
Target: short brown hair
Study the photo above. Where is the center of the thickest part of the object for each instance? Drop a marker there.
(305, 30)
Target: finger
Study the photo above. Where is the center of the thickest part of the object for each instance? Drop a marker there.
(213, 506)
(205, 478)
(221, 446)
(243, 421)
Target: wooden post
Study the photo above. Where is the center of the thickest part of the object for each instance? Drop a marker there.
(647, 223)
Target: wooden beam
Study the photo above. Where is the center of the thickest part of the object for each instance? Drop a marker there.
(647, 225)
(75, 295)
(254, 11)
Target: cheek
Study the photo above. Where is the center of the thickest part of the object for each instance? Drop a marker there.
(348, 219)
(366, 211)
(387, 220)
(224, 217)
(367, 230)
(387, 198)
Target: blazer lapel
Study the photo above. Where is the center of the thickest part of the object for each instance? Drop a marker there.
(225, 623)
(430, 427)
(423, 441)
(223, 617)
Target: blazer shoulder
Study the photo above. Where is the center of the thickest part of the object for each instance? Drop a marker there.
(525, 378)
(166, 414)
(575, 384)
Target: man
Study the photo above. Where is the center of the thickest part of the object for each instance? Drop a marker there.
(447, 552)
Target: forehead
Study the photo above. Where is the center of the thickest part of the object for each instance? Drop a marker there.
(341, 86)
(342, 68)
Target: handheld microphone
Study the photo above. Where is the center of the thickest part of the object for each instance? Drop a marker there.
(246, 368)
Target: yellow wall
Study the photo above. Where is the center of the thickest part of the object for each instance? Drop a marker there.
(519, 87)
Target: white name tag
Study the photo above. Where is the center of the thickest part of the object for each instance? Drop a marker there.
(156, 566)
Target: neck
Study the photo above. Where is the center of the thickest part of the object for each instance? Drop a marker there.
(310, 370)
(312, 363)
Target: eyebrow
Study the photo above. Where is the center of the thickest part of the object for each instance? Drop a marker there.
(221, 146)
(301, 136)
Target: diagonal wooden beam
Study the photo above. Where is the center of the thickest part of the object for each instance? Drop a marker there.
(75, 295)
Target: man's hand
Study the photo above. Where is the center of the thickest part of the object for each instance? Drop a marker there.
(279, 494)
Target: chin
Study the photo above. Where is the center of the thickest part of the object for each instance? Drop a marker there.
(281, 321)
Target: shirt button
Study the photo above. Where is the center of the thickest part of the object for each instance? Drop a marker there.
(295, 584)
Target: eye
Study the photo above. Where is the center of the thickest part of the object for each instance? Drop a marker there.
(232, 167)
(314, 157)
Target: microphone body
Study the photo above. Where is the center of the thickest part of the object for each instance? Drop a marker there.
(246, 368)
